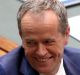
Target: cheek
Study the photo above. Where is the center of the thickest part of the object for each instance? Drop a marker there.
(56, 51)
(29, 52)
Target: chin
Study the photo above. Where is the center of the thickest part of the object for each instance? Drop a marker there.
(44, 70)
(47, 69)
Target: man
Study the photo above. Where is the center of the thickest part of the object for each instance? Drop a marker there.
(44, 30)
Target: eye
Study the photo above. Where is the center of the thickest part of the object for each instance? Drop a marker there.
(31, 43)
(49, 42)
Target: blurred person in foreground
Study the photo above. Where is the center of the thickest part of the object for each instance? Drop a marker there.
(44, 30)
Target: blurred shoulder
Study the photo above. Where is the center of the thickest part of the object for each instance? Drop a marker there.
(72, 55)
(71, 50)
(10, 61)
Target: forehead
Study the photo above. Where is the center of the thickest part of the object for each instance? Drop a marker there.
(40, 22)
(46, 15)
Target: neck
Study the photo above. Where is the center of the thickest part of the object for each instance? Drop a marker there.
(51, 73)
(54, 72)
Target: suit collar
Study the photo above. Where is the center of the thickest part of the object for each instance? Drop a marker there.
(10, 62)
(26, 69)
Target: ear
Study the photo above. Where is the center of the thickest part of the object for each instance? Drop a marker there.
(67, 33)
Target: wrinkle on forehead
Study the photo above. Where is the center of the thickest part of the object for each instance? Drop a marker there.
(42, 16)
(44, 21)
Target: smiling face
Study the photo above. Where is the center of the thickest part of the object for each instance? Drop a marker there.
(42, 41)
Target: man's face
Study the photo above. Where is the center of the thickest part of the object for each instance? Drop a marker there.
(42, 41)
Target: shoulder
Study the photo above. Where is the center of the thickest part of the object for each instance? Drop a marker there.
(2, 72)
(71, 51)
(11, 55)
(72, 55)
(71, 61)
(10, 60)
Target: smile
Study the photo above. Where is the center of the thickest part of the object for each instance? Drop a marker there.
(43, 59)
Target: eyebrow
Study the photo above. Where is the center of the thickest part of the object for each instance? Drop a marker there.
(32, 38)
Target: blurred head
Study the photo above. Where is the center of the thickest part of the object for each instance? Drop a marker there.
(44, 31)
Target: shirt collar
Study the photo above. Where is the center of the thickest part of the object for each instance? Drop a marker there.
(61, 70)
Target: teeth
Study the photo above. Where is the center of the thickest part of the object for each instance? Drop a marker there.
(42, 60)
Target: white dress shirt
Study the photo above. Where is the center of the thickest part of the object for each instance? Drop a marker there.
(61, 70)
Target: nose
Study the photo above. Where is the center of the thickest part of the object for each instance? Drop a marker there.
(41, 50)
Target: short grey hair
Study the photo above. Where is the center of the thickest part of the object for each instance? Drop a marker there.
(40, 5)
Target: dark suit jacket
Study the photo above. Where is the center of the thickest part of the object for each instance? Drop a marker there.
(10, 64)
